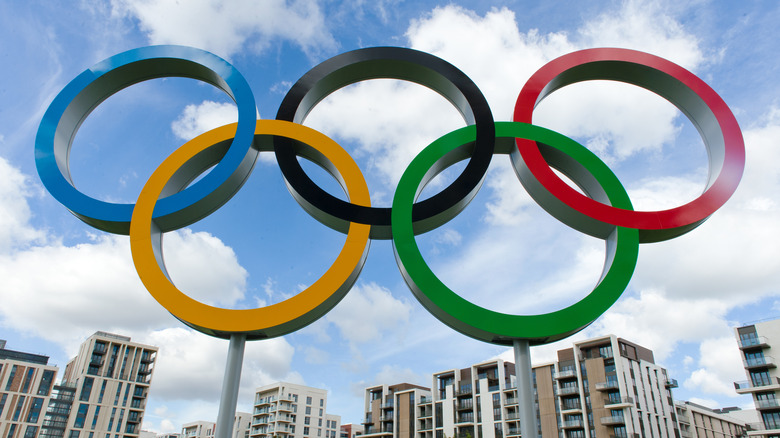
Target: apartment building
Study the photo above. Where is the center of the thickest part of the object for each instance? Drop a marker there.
(391, 410)
(697, 421)
(757, 343)
(207, 429)
(351, 430)
(601, 387)
(26, 382)
(110, 380)
(287, 410)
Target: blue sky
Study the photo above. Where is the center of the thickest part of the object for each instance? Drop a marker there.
(63, 280)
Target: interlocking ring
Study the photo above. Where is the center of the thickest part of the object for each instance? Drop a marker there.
(705, 109)
(388, 63)
(604, 210)
(562, 153)
(77, 100)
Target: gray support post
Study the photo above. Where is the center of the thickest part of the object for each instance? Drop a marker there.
(525, 389)
(230, 384)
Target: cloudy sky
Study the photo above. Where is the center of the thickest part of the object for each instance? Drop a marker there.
(62, 280)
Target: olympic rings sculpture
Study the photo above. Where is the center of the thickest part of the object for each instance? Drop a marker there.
(171, 200)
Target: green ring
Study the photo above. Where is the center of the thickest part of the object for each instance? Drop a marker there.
(569, 157)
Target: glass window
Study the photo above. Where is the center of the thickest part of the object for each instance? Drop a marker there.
(308, 400)
(18, 410)
(322, 402)
(44, 388)
(102, 391)
(86, 388)
(35, 410)
(11, 376)
(81, 415)
(28, 379)
(95, 417)
(30, 432)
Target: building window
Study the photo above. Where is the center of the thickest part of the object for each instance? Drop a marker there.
(35, 411)
(305, 430)
(30, 432)
(45, 386)
(28, 379)
(86, 388)
(307, 420)
(322, 402)
(74, 434)
(18, 408)
(11, 378)
(95, 417)
(308, 400)
(308, 410)
(81, 415)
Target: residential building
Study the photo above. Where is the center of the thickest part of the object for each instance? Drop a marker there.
(351, 430)
(391, 410)
(289, 410)
(697, 421)
(757, 344)
(601, 387)
(207, 429)
(111, 376)
(26, 382)
(60, 405)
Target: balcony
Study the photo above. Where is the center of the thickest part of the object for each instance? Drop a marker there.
(607, 386)
(465, 419)
(388, 417)
(568, 390)
(746, 387)
(671, 383)
(464, 390)
(616, 403)
(756, 342)
(513, 416)
(574, 409)
(768, 404)
(613, 420)
(573, 424)
(511, 401)
(760, 362)
(389, 405)
(465, 405)
(425, 401)
(568, 374)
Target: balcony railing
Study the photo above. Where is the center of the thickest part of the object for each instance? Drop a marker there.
(746, 386)
(606, 386)
(568, 390)
(565, 374)
(768, 404)
(671, 383)
(425, 401)
(619, 401)
(759, 341)
(573, 424)
(511, 401)
(765, 361)
(613, 420)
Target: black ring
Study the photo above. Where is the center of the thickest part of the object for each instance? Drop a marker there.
(386, 63)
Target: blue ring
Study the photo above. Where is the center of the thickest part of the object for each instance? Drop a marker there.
(77, 100)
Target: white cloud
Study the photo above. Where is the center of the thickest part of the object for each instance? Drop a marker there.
(720, 366)
(391, 374)
(367, 312)
(15, 214)
(191, 365)
(227, 28)
(659, 321)
(197, 119)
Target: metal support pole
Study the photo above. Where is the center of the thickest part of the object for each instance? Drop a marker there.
(525, 389)
(230, 384)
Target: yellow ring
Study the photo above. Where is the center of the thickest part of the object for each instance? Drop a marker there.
(276, 319)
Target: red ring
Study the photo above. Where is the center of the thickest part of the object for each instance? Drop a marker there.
(703, 106)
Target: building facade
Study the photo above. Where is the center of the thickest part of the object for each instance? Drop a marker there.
(26, 383)
(207, 429)
(287, 410)
(757, 343)
(392, 410)
(602, 387)
(111, 376)
(697, 421)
